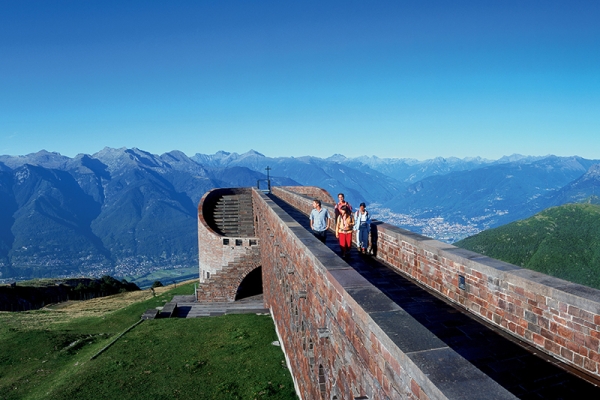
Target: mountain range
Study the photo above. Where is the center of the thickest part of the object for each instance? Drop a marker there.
(498, 193)
(126, 211)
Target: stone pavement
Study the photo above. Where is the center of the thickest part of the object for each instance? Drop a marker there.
(514, 365)
(187, 307)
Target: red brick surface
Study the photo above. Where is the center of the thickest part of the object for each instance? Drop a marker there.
(312, 192)
(228, 264)
(354, 360)
(516, 300)
(324, 331)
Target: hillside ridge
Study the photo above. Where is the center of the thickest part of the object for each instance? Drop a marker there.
(562, 241)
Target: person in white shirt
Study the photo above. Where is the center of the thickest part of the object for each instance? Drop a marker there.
(362, 226)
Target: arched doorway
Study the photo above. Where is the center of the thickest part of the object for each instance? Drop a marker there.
(251, 285)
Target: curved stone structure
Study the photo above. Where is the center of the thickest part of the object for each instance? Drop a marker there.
(228, 247)
(345, 338)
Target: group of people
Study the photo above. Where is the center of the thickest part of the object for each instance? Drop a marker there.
(346, 222)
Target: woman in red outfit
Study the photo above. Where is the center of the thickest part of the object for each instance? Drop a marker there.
(343, 229)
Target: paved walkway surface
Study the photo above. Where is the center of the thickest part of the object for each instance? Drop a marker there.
(187, 307)
(519, 370)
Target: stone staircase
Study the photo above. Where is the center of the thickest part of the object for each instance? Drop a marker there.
(191, 309)
(222, 285)
(233, 215)
(188, 307)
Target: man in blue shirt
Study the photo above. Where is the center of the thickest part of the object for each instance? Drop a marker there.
(319, 220)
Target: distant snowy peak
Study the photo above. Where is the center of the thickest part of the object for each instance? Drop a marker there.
(179, 161)
(42, 158)
(585, 189)
(593, 173)
(252, 153)
(116, 159)
(175, 155)
(337, 158)
(519, 158)
(109, 152)
(374, 161)
(223, 158)
(478, 160)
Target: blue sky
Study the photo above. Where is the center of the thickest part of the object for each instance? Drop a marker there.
(414, 79)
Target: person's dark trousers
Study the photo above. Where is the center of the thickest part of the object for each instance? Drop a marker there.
(321, 235)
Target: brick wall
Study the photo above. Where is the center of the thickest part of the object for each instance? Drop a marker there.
(310, 191)
(560, 318)
(333, 345)
(556, 316)
(304, 304)
(223, 261)
(223, 285)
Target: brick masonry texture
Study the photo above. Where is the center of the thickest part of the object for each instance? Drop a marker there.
(558, 317)
(222, 266)
(309, 191)
(334, 347)
(328, 341)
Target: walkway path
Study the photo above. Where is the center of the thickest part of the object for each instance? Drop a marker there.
(516, 368)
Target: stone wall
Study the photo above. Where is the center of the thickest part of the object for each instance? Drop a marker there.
(223, 261)
(560, 318)
(343, 338)
(311, 192)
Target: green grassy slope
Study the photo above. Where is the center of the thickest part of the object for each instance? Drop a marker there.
(561, 241)
(45, 354)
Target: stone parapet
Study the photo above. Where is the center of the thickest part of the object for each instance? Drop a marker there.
(342, 336)
(560, 318)
(311, 192)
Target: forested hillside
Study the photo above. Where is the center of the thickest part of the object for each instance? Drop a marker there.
(561, 241)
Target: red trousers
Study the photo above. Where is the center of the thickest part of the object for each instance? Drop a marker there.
(345, 240)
